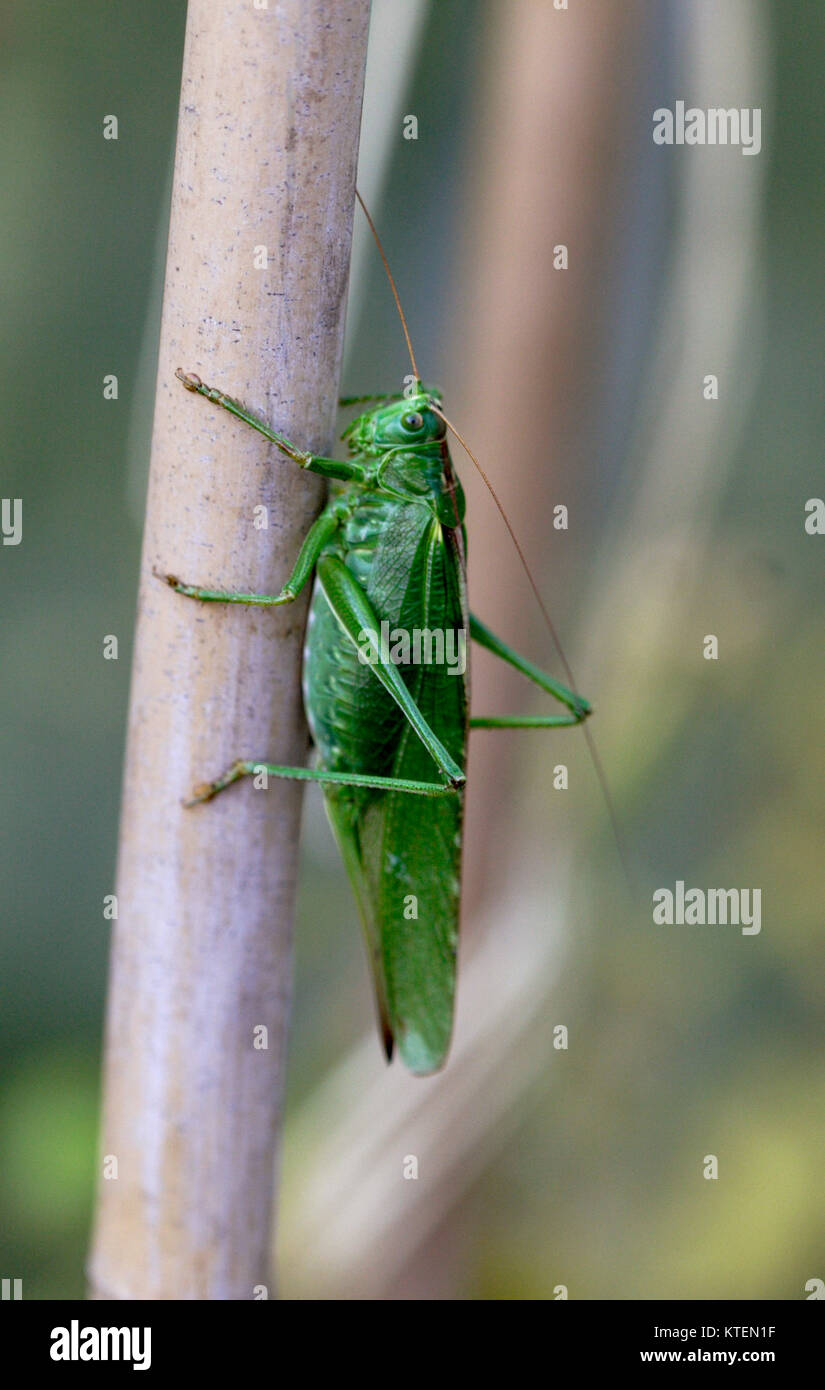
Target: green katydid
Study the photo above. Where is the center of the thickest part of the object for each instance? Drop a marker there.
(388, 552)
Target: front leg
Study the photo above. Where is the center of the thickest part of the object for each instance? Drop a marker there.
(345, 470)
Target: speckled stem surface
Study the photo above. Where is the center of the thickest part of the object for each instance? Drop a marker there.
(254, 302)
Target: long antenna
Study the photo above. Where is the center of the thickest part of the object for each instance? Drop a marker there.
(392, 285)
(591, 743)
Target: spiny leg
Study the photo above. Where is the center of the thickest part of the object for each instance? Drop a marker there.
(357, 617)
(244, 768)
(318, 535)
(525, 721)
(578, 706)
(346, 470)
(579, 710)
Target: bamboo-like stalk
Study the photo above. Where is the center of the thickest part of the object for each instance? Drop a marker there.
(266, 158)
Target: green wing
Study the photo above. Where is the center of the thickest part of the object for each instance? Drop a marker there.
(403, 852)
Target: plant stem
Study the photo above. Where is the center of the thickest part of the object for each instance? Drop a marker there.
(200, 976)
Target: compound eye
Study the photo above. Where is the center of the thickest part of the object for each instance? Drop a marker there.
(413, 421)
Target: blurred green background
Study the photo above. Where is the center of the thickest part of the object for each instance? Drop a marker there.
(540, 1168)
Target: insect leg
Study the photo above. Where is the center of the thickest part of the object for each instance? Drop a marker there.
(357, 616)
(579, 707)
(319, 534)
(345, 470)
(207, 790)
